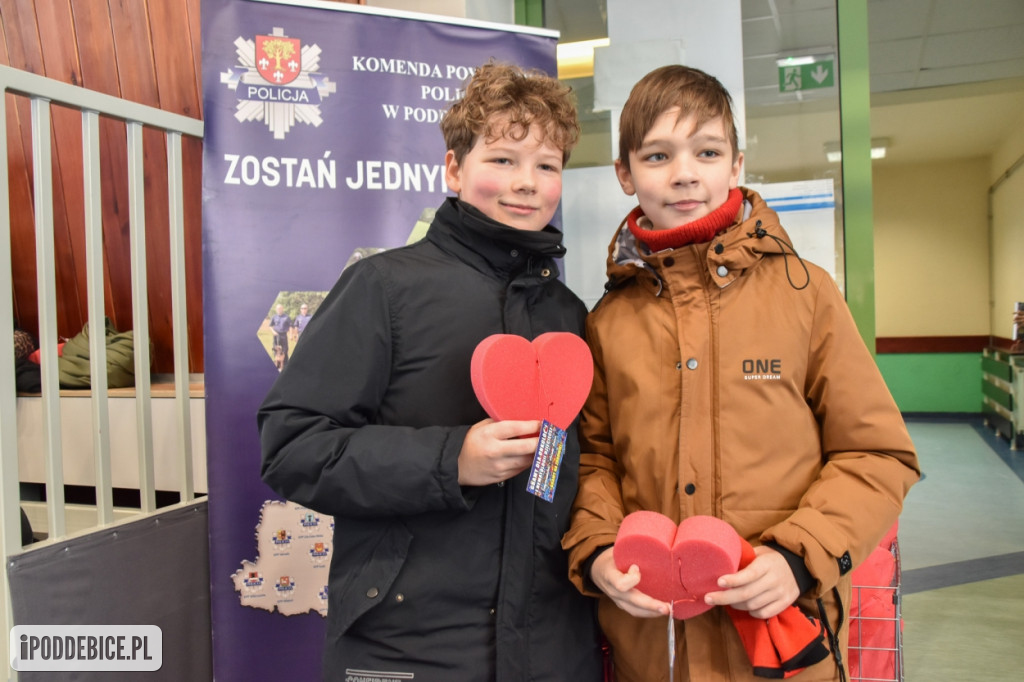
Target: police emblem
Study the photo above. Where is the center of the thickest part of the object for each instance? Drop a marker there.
(277, 58)
(277, 82)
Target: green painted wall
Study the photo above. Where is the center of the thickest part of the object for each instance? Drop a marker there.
(919, 382)
(933, 382)
(529, 12)
(855, 125)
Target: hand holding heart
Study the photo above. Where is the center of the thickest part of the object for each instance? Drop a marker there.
(681, 564)
(677, 564)
(621, 588)
(496, 451)
(519, 383)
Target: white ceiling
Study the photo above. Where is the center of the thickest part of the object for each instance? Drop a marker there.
(947, 76)
(913, 43)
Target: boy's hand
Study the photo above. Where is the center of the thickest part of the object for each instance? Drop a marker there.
(621, 588)
(495, 451)
(764, 588)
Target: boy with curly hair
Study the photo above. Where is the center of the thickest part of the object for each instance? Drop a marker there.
(444, 566)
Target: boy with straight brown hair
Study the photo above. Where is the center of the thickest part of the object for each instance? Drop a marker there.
(444, 566)
(730, 381)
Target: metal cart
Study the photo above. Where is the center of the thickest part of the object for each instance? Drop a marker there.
(876, 628)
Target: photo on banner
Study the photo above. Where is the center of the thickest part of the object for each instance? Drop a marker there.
(322, 146)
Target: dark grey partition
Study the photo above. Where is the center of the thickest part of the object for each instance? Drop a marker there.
(154, 571)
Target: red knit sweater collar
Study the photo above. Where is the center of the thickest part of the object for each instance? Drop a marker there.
(700, 230)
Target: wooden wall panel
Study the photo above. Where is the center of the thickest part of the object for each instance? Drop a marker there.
(172, 39)
(107, 46)
(23, 249)
(147, 51)
(132, 50)
(26, 51)
(101, 72)
(22, 240)
(195, 35)
(193, 185)
(192, 163)
(60, 61)
(179, 90)
(21, 41)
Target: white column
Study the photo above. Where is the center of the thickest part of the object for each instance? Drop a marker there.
(646, 34)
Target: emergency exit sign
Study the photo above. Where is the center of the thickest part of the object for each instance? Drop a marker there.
(796, 75)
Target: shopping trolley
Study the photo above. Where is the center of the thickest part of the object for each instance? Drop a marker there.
(876, 622)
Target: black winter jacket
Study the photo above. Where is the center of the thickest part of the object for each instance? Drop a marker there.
(366, 423)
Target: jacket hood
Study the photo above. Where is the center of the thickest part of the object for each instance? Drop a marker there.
(465, 232)
(757, 235)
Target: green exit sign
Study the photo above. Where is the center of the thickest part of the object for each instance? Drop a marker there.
(797, 75)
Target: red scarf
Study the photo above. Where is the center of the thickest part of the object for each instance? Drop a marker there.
(700, 230)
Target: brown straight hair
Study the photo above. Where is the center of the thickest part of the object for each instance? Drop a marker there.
(691, 90)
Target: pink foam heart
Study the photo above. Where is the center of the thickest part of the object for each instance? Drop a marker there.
(678, 564)
(548, 378)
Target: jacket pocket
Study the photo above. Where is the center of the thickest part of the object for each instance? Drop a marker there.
(359, 585)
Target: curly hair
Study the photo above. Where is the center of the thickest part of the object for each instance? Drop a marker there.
(521, 98)
(691, 90)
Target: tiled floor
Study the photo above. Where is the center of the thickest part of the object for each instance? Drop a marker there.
(962, 551)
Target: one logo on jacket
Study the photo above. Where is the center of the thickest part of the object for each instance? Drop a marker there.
(277, 82)
(762, 369)
(284, 584)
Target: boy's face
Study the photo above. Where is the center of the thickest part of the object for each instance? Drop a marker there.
(515, 182)
(680, 173)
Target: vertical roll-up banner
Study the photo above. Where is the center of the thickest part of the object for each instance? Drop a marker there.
(322, 145)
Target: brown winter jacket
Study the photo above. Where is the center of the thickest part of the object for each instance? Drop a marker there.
(727, 385)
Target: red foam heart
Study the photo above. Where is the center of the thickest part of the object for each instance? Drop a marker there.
(678, 564)
(548, 378)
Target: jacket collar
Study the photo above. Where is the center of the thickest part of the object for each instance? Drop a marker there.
(488, 245)
(743, 244)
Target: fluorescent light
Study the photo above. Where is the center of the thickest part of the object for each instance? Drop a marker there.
(879, 147)
(796, 61)
(576, 60)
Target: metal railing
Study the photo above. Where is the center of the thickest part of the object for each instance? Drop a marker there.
(42, 92)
